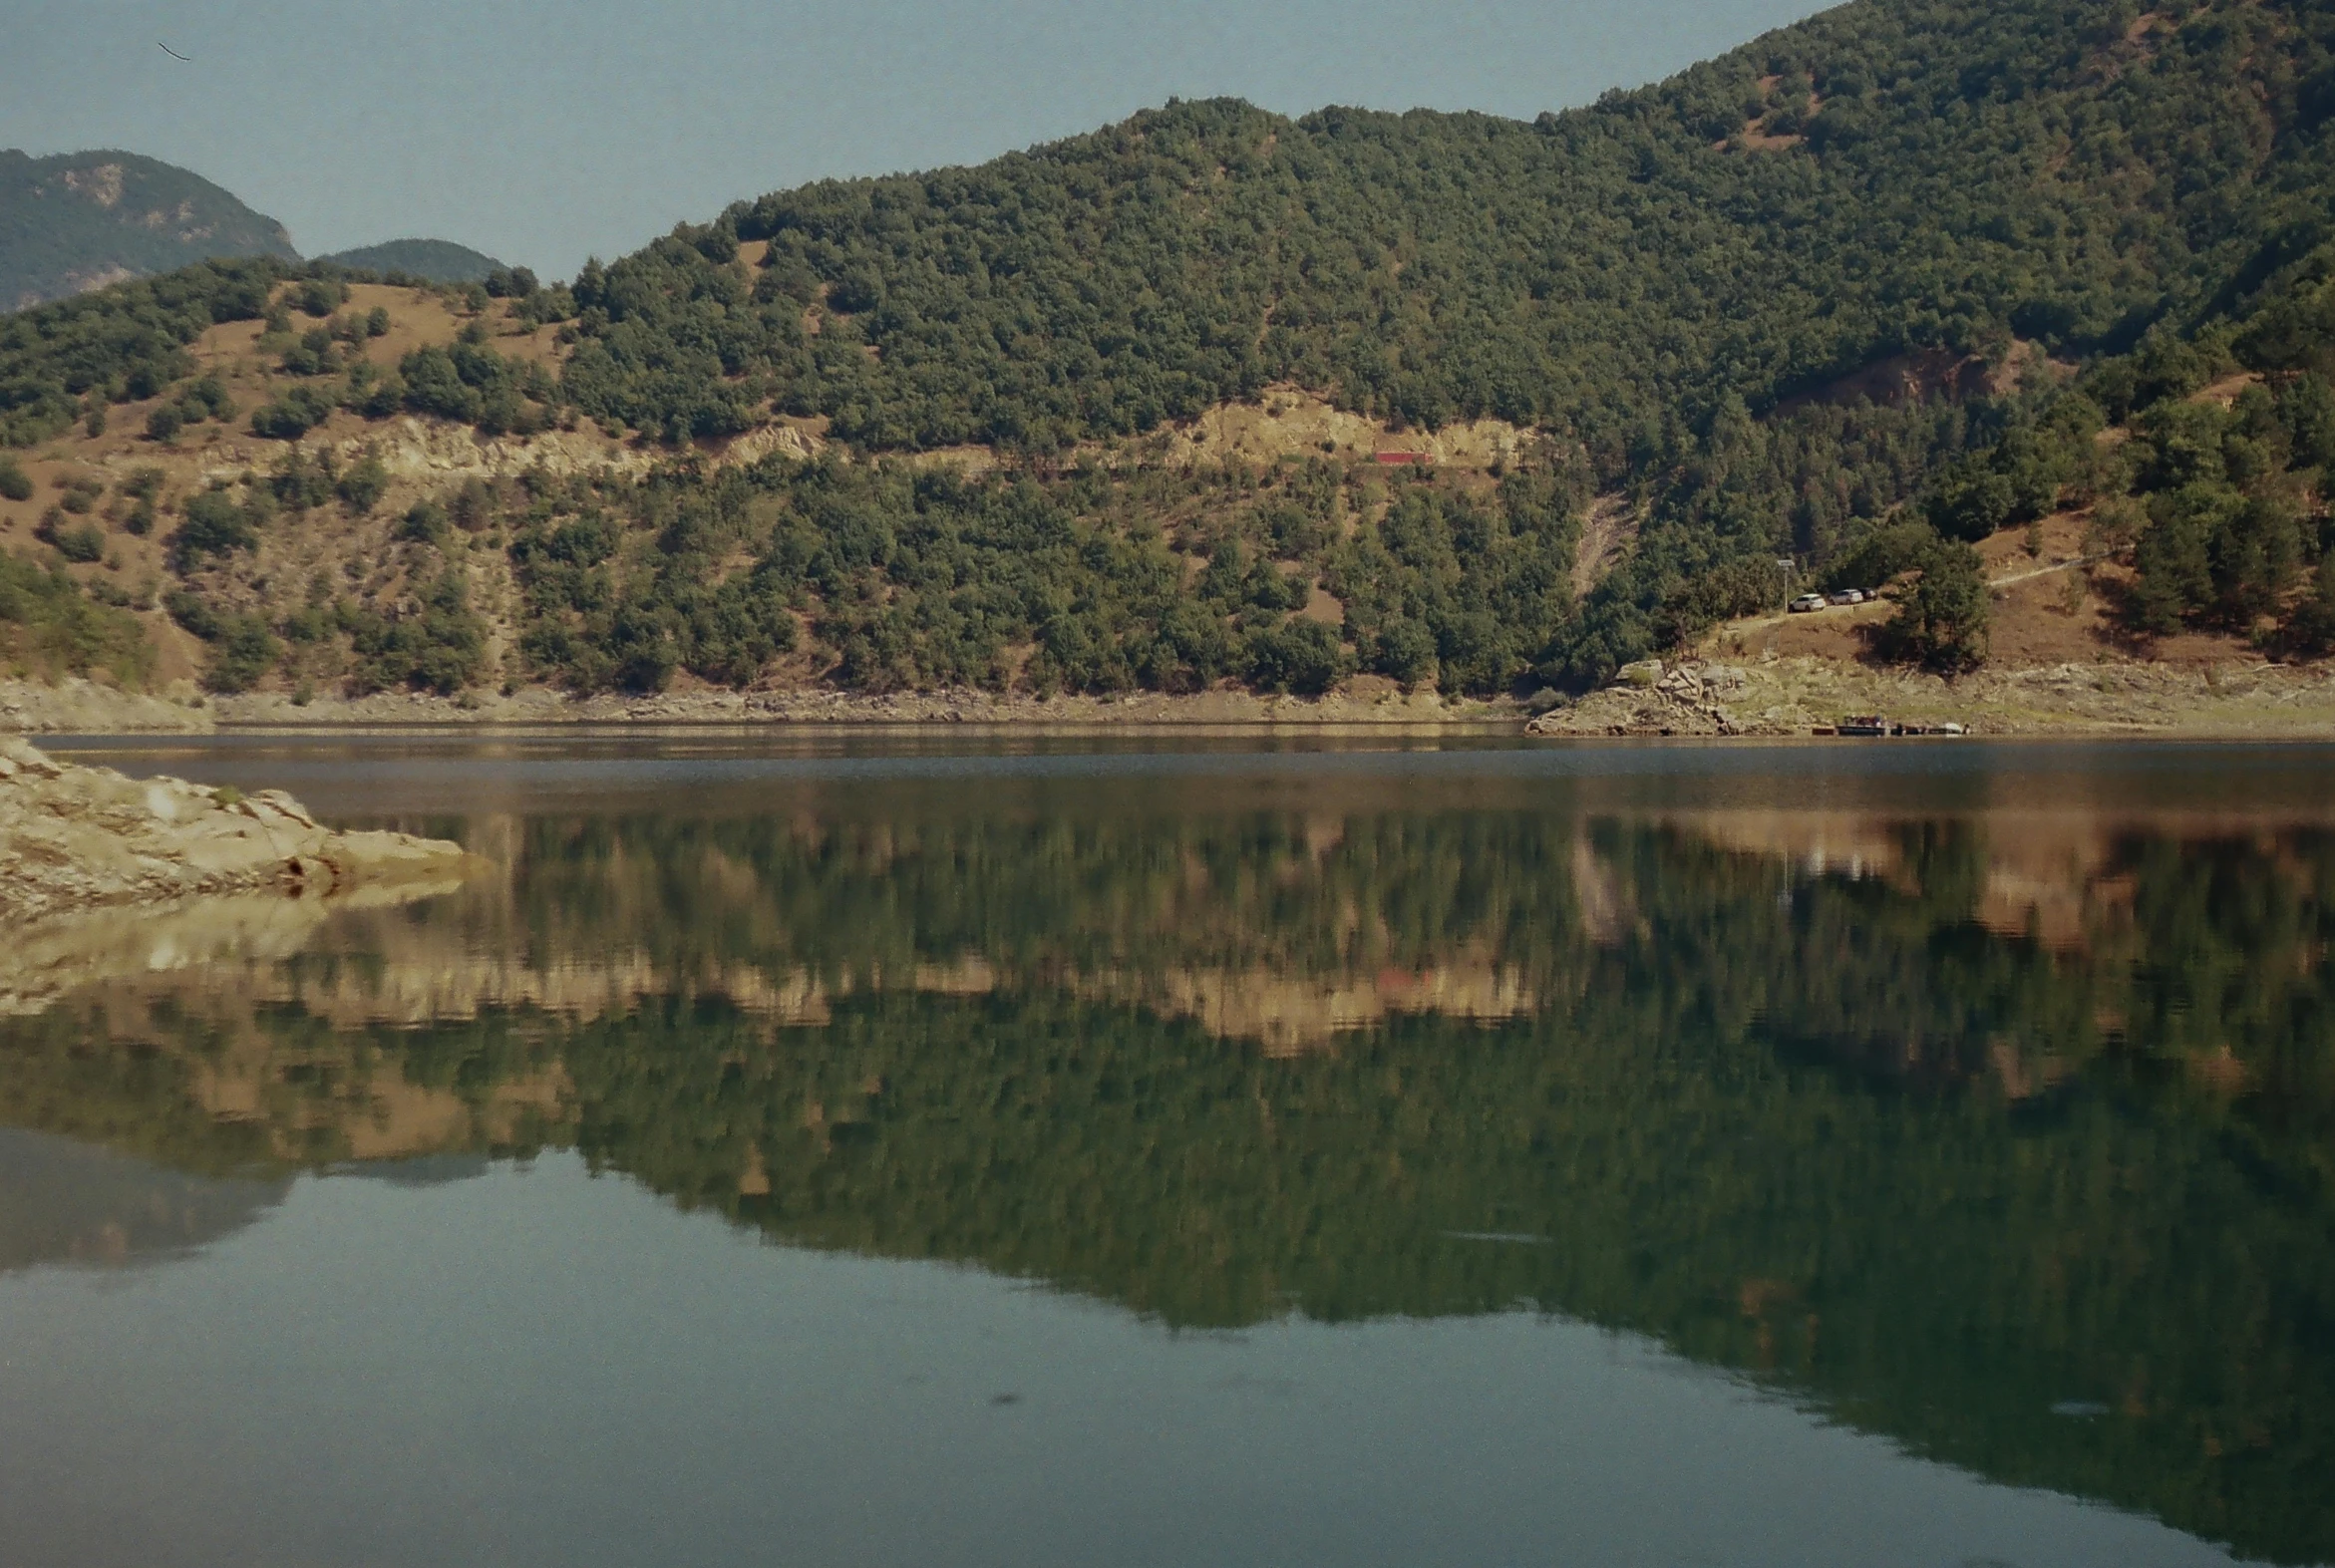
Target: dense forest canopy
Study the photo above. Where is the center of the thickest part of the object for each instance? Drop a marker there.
(1675, 288)
(1883, 177)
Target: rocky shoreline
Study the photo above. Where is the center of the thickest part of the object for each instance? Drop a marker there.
(1766, 697)
(85, 708)
(76, 839)
(2242, 700)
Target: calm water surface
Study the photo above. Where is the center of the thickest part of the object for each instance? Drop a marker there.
(899, 1149)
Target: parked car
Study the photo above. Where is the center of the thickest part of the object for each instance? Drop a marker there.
(1844, 596)
(1807, 602)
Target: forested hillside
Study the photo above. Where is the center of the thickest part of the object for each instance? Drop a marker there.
(1864, 289)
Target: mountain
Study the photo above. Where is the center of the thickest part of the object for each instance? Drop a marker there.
(69, 1201)
(438, 261)
(1891, 177)
(1861, 292)
(79, 220)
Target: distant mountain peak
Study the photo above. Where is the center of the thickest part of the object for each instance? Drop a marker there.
(71, 222)
(75, 222)
(438, 260)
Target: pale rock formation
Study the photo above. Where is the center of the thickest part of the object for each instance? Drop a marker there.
(74, 839)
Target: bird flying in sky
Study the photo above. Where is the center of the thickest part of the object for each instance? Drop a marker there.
(172, 53)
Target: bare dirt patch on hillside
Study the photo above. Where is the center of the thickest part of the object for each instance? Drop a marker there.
(1607, 533)
(1933, 373)
(1900, 378)
(1290, 422)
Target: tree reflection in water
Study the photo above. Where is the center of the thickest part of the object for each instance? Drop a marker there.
(2017, 1150)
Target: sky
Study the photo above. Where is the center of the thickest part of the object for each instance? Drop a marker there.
(546, 130)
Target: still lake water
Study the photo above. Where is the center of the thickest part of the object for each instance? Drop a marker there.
(1160, 1150)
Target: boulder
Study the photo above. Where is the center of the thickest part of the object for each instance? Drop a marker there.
(76, 839)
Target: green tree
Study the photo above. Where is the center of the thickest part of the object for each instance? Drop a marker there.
(1941, 617)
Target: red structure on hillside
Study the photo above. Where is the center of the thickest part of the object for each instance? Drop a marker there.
(1419, 457)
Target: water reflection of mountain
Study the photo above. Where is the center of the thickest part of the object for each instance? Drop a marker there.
(65, 1201)
(1855, 1125)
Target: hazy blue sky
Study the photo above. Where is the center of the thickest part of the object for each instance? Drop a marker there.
(545, 129)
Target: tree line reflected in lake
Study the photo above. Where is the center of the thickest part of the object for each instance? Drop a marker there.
(2012, 1138)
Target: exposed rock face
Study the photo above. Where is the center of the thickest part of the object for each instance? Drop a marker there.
(1773, 695)
(74, 839)
(1649, 697)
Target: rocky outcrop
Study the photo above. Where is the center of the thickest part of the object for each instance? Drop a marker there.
(76, 839)
(1771, 696)
(1685, 699)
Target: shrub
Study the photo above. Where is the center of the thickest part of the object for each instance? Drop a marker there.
(380, 398)
(302, 484)
(194, 612)
(242, 646)
(215, 525)
(434, 386)
(209, 394)
(15, 484)
(1297, 656)
(425, 523)
(81, 545)
(361, 488)
(293, 414)
(473, 506)
(1405, 651)
(164, 423)
(241, 655)
(313, 355)
(1941, 619)
(320, 297)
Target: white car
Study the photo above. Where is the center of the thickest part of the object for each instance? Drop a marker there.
(1807, 602)
(1845, 596)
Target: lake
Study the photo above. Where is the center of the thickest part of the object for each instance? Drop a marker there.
(945, 1148)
